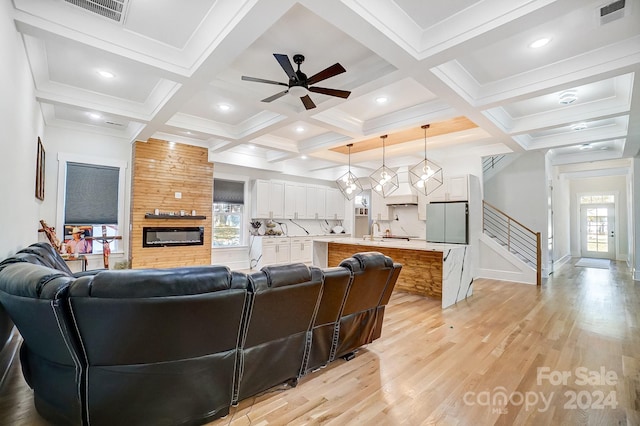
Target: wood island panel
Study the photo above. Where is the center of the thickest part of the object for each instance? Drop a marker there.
(421, 269)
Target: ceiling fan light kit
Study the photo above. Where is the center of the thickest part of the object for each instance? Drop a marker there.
(299, 84)
(426, 176)
(348, 183)
(384, 181)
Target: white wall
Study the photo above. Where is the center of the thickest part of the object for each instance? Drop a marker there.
(21, 123)
(86, 146)
(520, 190)
(595, 185)
(561, 217)
(635, 227)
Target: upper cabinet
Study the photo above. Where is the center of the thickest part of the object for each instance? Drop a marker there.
(379, 209)
(273, 199)
(316, 202)
(334, 208)
(295, 200)
(454, 188)
(268, 199)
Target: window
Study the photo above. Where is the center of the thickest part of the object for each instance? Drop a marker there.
(597, 199)
(93, 199)
(228, 213)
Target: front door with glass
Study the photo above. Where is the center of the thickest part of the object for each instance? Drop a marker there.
(597, 231)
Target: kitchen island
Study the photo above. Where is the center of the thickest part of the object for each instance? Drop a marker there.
(439, 271)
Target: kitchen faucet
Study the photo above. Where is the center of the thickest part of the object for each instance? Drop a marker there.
(371, 233)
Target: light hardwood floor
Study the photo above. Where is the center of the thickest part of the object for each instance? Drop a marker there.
(532, 346)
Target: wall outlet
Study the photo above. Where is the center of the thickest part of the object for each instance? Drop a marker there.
(178, 195)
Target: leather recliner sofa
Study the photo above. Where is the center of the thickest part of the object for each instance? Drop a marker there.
(180, 345)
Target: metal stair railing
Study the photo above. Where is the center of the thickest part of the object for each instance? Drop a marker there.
(491, 162)
(517, 238)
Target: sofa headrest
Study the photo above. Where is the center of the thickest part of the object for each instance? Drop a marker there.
(145, 283)
(295, 273)
(25, 279)
(49, 256)
(367, 260)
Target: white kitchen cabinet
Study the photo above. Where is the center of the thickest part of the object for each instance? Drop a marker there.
(295, 200)
(334, 204)
(454, 188)
(301, 250)
(316, 202)
(379, 209)
(275, 251)
(422, 206)
(268, 199)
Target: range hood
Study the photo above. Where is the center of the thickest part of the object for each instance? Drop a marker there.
(405, 195)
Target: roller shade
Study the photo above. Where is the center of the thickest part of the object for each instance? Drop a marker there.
(228, 191)
(91, 194)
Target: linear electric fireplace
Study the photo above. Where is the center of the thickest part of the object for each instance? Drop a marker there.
(172, 236)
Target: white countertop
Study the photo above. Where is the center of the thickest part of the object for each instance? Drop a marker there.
(412, 244)
(312, 236)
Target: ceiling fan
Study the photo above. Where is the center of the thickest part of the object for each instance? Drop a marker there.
(299, 83)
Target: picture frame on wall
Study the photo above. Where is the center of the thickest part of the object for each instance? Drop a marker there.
(40, 158)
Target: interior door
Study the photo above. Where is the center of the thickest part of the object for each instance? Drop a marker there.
(597, 231)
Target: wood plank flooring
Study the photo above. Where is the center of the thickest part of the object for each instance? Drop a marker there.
(512, 354)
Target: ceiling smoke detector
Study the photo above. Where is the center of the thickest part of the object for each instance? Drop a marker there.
(111, 9)
(567, 97)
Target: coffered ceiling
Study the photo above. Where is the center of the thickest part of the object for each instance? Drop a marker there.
(177, 68)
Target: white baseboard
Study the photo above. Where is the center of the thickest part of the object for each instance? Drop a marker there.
(563, 260)
(515, 277)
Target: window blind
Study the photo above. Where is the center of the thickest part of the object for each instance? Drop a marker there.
(228, 191)
(91, 194)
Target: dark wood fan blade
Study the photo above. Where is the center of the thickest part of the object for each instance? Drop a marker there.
(262, 80)
(334, 69)
(276, 96)
(285, 63)
(331, 92)
(308, 103)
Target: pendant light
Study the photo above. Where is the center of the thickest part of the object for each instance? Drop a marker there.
(426, 176)
(384, 180)
(348, 183)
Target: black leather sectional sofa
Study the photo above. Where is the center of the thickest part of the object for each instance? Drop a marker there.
(181, 345)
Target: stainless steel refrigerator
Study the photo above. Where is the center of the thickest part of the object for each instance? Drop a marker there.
(448, 222)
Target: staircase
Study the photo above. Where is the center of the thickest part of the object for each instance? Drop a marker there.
(492, 165)
(519, 241)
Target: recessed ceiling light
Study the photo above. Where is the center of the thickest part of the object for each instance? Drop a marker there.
(224, 107)
(106, 74)
(585, 146)
(299, 129)
(94, 116)
(539, 43)
(579, 126)
(382, 99)
(188, 132)
(567, 97)
(304, 157)
(252, 147)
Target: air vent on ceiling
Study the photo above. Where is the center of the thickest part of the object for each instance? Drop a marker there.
(113, 123)
(612, 12)
(111, 9)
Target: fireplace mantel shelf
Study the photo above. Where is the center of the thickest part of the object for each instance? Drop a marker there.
(167, 216)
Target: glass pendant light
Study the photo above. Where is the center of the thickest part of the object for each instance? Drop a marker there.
(384, 180)
(426, 176)
(348, 183)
